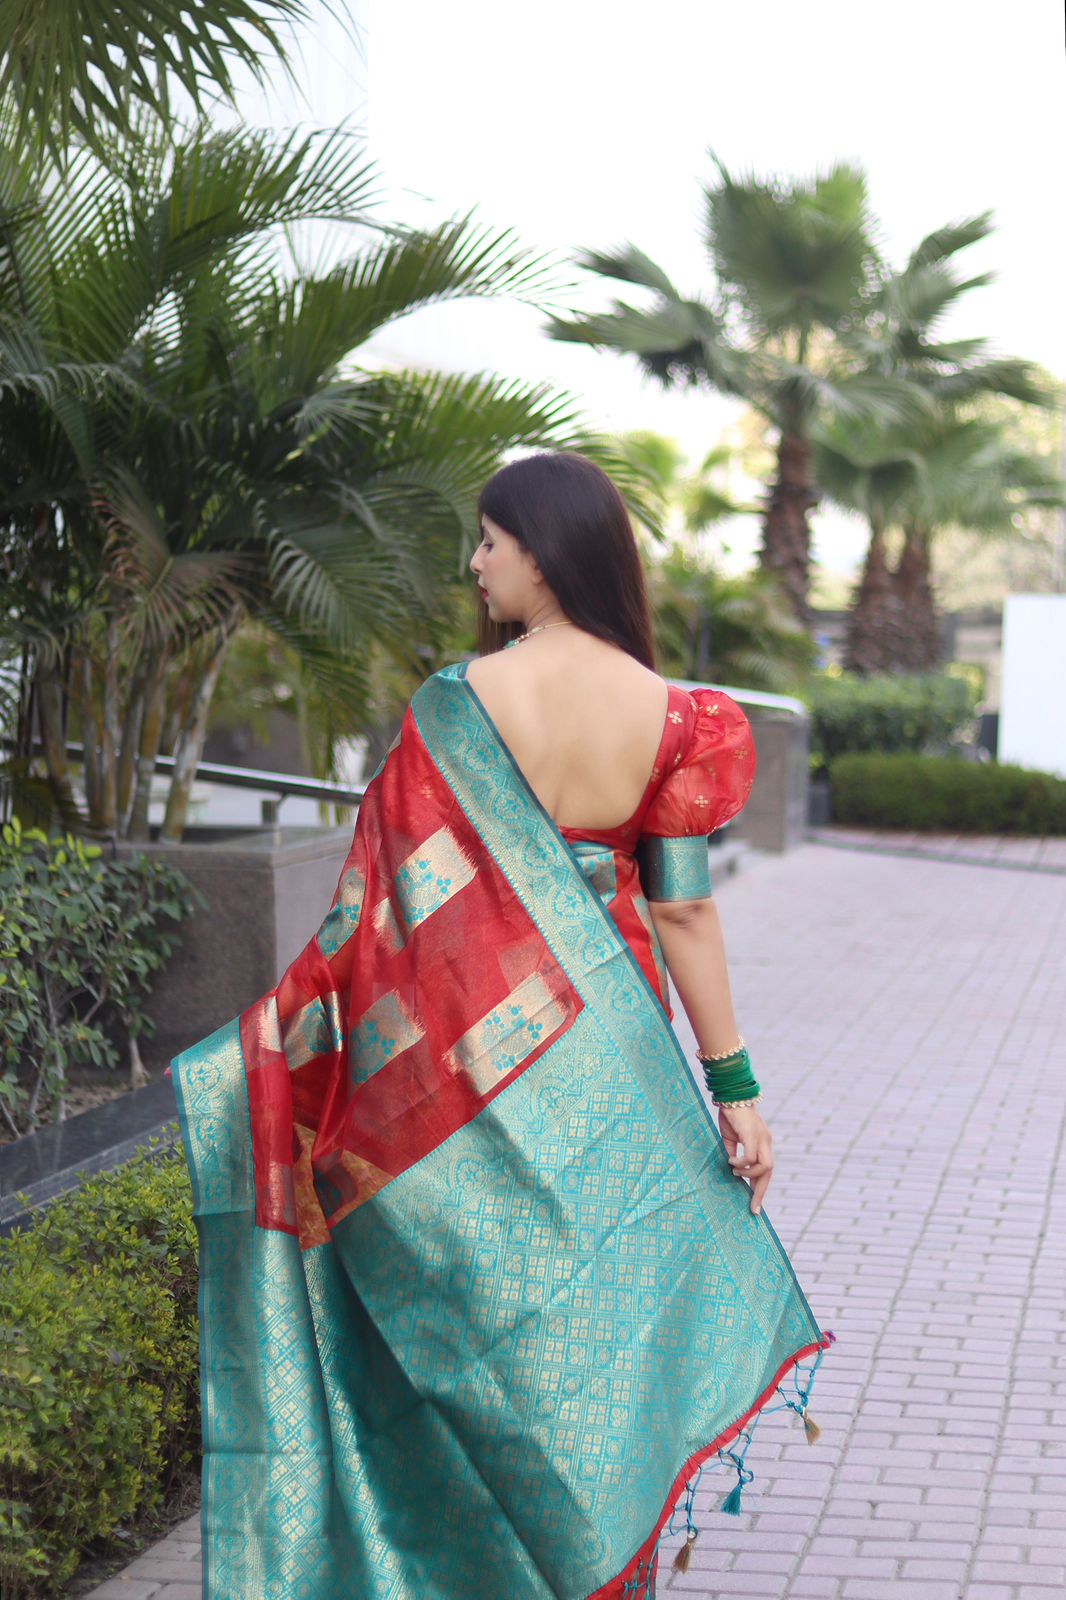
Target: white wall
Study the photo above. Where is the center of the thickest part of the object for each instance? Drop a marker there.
(1032, 718)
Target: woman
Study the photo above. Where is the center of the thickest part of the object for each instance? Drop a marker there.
(481, 1287)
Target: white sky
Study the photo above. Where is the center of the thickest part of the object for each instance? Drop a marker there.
(585, 124)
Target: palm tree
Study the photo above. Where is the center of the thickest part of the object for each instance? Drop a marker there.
(881, 470)
(954, 471)
(186, 438)
(792, 262)
(79, 71)
(732, 628)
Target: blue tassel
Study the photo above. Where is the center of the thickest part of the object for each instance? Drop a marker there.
(731, 1503)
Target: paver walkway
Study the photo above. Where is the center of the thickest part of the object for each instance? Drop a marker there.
(908, 1020)
(978, 849)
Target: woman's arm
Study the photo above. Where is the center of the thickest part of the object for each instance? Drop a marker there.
(690, 934)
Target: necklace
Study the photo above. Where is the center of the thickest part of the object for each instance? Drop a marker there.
(532, 631)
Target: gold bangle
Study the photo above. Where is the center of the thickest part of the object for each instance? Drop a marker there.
(729, 1104)
(723, 1055)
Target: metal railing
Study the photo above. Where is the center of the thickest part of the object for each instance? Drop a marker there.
(749, 697)
(283, 786)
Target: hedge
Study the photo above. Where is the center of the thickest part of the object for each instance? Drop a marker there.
(99, 1370)
(921, 714)
(946, 794)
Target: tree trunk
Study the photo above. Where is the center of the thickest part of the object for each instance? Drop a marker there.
(873, 637)
(99, 728)
(54, 739)
(786, 534)
(177, 712)
(130, 742)
(110, 732)
(190, 742)
(148, 749)
(920, 646)
(90, 736)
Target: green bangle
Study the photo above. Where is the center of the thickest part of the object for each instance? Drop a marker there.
(730, 1080)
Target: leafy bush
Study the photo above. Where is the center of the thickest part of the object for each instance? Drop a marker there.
(99, 1385)
(922, 714)
(79, 942)
(939, 793)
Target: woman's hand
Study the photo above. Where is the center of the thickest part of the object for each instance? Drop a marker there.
(742, 1125)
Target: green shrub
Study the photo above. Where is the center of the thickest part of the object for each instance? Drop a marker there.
(79, 942)
(941, 793)
(99, 1385)
(922, 714)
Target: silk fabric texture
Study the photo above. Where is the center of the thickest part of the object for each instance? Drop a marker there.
(478, 1288)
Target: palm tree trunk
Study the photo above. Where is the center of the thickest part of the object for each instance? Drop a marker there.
(99, 721)
(871, 641)
(131, 734)
(54, 740)
(90, 737)
(190, 741)
(177, 712)
(148, 748)
(921, 648)
(110, 733)
(786, 534)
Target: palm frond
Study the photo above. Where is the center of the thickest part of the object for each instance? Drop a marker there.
(949, 240)
(628, 264)
(78, 67)
(794, 254)
(156, 593)
(676, 341)
(1020, 380)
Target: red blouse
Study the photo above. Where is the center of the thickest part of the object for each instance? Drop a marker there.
(702, 776)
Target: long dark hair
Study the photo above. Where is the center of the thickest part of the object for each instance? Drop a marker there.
(568, 514)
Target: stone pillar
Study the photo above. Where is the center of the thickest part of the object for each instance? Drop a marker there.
(775, 817)
(267, 894)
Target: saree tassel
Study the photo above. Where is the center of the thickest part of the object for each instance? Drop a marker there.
(683, 1558)
(638, 1585)
(798, 1405)
(731, 1504)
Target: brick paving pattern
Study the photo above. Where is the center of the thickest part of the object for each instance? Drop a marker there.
(908, 1020)
(980, 849)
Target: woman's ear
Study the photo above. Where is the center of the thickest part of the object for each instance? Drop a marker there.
(536, 575)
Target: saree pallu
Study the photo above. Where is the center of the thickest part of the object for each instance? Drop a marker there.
(479, 1292)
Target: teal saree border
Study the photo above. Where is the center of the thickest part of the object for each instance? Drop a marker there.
(211, 1089)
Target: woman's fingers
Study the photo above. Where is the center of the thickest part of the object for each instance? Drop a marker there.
(756, 1166)
(753, 1161)
(758, 1189)
(759, 1155)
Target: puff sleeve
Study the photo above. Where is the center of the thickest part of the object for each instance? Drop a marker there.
(709, 782)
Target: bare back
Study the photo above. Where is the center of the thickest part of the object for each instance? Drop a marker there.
(582, 719)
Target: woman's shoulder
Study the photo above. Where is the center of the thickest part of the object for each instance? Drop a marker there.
(708, 775)
(716, 709)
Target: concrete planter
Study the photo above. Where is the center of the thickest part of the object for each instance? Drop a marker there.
(267, 892)
(775, 817)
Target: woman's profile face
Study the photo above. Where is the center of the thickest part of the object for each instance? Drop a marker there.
(504, 571)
